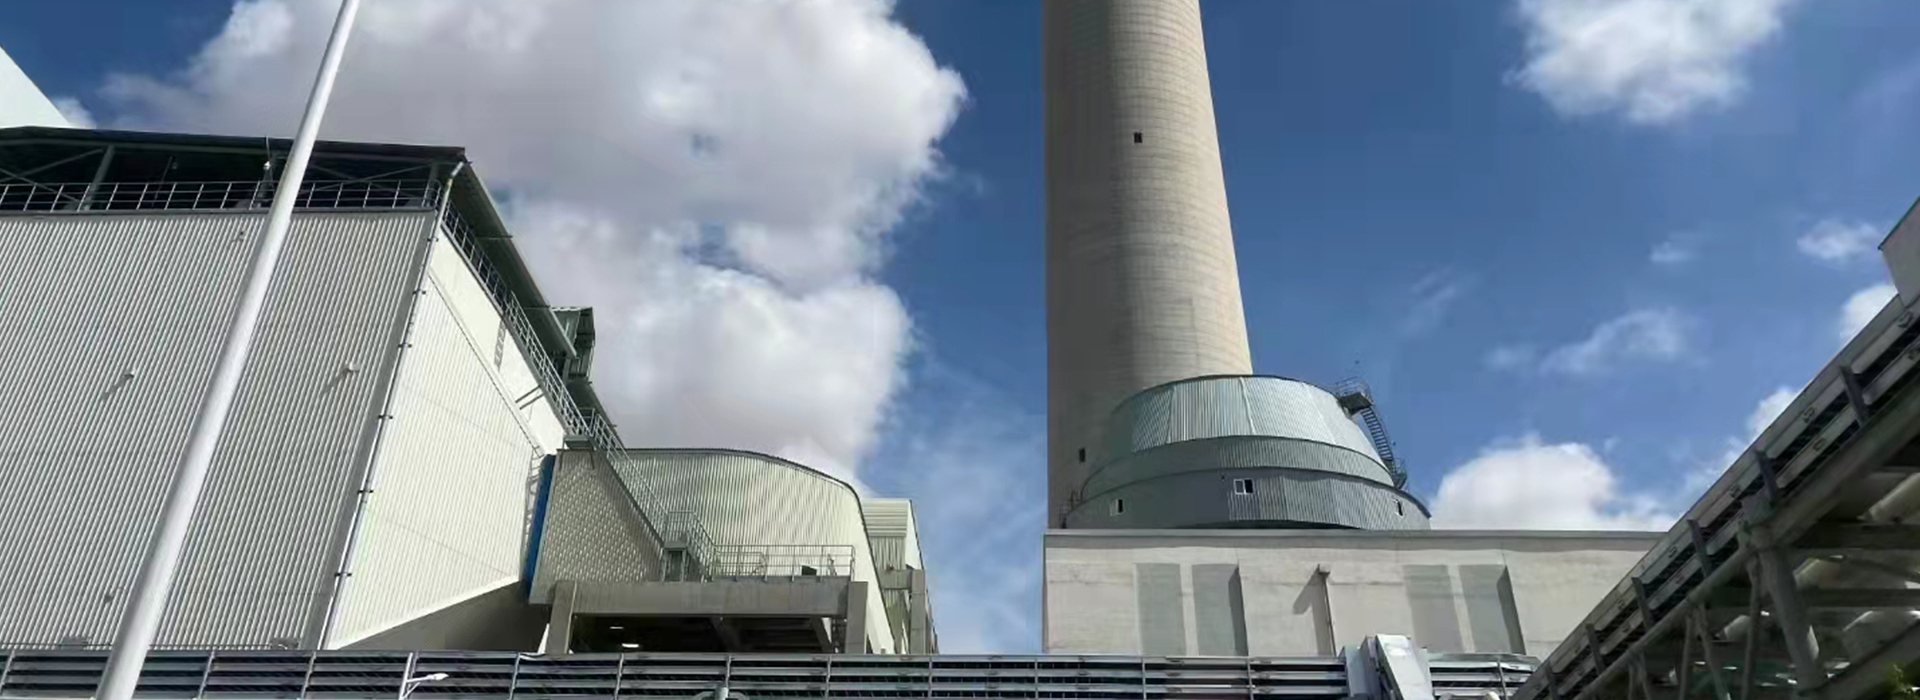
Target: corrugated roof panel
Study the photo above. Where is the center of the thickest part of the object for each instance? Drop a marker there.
(90, 297)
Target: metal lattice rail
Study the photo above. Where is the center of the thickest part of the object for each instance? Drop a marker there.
(353, 675)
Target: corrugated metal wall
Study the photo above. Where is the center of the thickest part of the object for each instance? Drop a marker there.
(90, 299)
(469, 424)
(751, 499)
(890, 527)
(1173, 453)
(1221, 406)
(1206, 499)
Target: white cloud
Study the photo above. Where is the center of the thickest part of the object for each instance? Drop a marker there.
(1861, 308)
(75, 113)
(1676, 250)
(1834, 241)
(1768, 409)
(1527, 484)
(1656, 335)
(1511, 357)
(716, 178)
(1763, 415)
(975, 464)
(1652, 61)
(1433, 296)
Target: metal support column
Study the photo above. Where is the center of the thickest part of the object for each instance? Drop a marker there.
(99, 176)
(1856, 395)
(1714, 669)
(1802, 647)
(1683, 676)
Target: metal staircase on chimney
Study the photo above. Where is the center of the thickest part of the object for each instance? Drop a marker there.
(1357, 399)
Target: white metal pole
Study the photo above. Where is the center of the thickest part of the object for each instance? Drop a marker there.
(147, 603)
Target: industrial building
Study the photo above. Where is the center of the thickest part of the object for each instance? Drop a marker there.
(416, 458)
(1201, 508)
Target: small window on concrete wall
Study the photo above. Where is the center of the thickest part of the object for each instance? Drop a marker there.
(1083, 454)
(1136, 137)
(1119, 506)
(1242, 487)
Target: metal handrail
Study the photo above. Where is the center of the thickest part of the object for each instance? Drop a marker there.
(214, 195)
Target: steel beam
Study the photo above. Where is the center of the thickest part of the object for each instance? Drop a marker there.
(1683, 675)
(1856, 395)
(1715, 672)
(1880, 567)
(1867, 677)
(1755, 628)
(1835, 538)
(22, 176)
(1878, 440)
(1802, 646)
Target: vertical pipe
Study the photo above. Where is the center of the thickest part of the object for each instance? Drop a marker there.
(147, 603)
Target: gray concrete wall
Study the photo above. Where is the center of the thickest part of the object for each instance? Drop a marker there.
(1282, 593)
(1142, 286)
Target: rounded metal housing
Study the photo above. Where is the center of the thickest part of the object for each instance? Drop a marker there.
(1239, 452)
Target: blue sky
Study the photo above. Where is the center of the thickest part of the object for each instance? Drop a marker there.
(1587, 259)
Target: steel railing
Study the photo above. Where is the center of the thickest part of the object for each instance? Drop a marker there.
(781, 561)
(219, 195)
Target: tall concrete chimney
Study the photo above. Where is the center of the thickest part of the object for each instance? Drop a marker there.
(1142, 287)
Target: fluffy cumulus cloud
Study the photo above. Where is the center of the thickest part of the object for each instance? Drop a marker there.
(1861, 308)
(716, 178)
(1526, 483)
(1835, 240)
(1651, 61)
(1643, 335)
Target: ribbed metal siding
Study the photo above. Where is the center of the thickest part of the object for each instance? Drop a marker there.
(450, 487)
(890, 527)
(1223, 406)
(88, 297)
(749, 499)
(1196, 499)
(1239, 452)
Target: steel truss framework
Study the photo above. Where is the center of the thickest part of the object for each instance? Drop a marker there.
(344, 674)
(1793, 576)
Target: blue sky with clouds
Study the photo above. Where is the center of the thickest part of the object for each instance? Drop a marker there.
(1579, 248)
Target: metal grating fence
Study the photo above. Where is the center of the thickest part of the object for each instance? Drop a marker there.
(354, 675)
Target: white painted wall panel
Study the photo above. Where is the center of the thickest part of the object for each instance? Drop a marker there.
(445, 517)
(1430, 585)
(91, 451)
